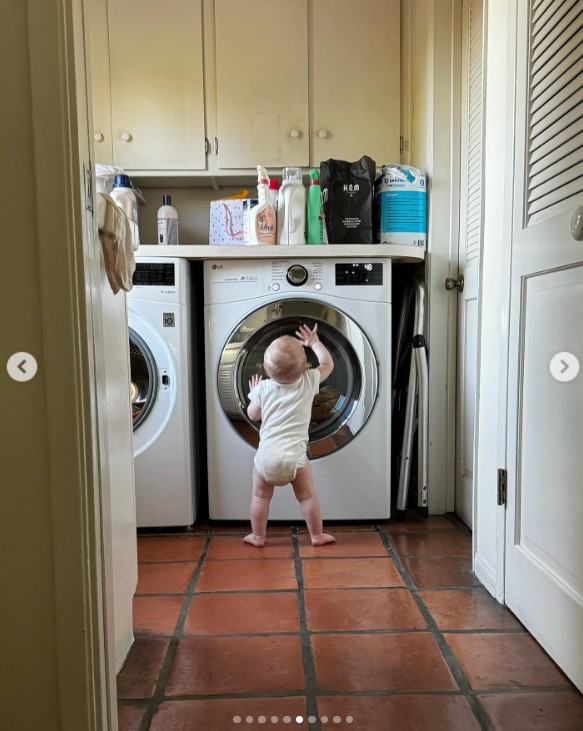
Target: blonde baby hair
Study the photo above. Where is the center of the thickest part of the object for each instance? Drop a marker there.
(285, 359)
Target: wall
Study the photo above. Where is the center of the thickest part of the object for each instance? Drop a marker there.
(27, 629)
(192, 205)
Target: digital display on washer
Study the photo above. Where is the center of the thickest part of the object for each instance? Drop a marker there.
(153, 274)
(362, 273)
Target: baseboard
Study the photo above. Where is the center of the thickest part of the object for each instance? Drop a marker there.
(485, 574)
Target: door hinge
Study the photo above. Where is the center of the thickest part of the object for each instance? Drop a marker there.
(501, 486)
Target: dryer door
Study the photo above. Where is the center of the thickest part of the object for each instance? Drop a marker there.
(346, 398)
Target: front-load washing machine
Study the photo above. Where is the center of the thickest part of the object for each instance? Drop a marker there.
(248, 303)
(160, 331)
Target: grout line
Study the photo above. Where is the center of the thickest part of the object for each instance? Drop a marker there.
(447, 653)
(158, 695)
(350, 632)
(310, 680)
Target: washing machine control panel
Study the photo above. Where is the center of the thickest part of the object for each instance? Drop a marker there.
(154, 275)
(358, 274)
(286, 274)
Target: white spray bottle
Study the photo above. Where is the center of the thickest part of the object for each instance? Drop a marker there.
(262, 221)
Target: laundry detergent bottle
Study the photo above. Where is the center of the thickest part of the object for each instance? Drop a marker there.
(262, 220)
(291, 209)
(124, 197)
(315, 218)
(167, 221)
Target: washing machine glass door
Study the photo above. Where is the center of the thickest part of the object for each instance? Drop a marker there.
(144, 379)
(346, 397)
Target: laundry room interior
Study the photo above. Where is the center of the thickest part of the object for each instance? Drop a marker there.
(391, 189)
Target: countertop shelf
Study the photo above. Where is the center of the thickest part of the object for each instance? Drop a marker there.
(404, 254)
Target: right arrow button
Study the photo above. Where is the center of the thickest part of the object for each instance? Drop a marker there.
(564, 367)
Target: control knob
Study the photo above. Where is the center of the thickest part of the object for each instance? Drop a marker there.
(297, 275)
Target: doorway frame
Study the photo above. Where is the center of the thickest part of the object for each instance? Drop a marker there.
(490, 533)
(68, 261)
(431, 55)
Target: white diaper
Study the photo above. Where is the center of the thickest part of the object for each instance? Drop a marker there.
(277, 468)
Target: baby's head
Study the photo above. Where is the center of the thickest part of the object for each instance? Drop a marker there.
(285, 359)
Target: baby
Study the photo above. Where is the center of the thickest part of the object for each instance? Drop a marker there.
(284, 405)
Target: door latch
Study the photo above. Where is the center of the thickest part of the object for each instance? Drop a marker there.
(451, 283)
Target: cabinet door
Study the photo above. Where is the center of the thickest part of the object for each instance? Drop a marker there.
(157, 90)
(262, 82)
(99, 67)
(355, 80)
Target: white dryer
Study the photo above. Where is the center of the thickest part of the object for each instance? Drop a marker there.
(160, 327)
(248, 303)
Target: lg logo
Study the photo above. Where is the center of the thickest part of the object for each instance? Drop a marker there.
(217, 266)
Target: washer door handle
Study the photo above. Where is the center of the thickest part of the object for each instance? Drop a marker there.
(240, 355)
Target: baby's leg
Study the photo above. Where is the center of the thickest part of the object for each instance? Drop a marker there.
(303, 486)
(260, 500)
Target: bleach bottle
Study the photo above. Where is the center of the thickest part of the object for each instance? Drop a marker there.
(291, 209)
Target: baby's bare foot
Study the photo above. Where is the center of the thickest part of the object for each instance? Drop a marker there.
(322, 539)
(254, 540)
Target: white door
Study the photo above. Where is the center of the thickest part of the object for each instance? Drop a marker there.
(469, 254)
(544, 546)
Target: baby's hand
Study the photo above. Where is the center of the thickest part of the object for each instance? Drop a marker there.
(308, 337)
(254, 380)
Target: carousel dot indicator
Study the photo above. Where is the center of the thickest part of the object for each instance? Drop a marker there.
(236, 719)
(262, 719)
(249, 719)
(349, 719)
(299, 719)
(312, 719)
(337, 719)
(274, 719)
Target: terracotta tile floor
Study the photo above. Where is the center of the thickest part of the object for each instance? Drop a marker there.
(387, 629)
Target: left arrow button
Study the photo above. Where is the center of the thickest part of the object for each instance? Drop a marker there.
(22, 366)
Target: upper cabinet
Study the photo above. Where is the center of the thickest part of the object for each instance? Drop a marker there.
(100, 91)
(354, 80)
(155, 73)
(300, 81)
(271, 82)
(261, 50)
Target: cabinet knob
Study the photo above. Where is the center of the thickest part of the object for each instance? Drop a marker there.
(98, 137)
(126, 136)
(323, 133)
(295, 133)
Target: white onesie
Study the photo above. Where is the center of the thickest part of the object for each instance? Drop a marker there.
(286, 410)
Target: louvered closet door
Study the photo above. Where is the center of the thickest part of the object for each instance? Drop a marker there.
(469, 253)
(544, 518)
